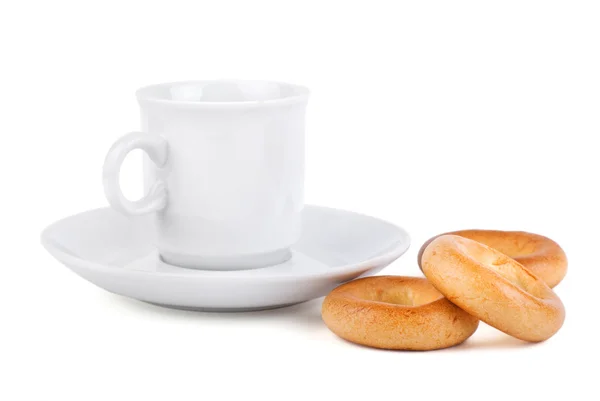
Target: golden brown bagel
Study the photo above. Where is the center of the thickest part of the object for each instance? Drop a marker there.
(493, 287)
(396, 313)
(544, 257)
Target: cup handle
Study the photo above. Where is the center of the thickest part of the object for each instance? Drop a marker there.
(157, 149)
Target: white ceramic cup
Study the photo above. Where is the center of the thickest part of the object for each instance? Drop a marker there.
(224, 171)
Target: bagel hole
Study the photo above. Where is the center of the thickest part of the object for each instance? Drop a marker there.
(501, 264)
(515, 274)
(405, 296)
(506, 269)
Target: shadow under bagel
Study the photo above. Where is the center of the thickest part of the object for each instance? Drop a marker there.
(499, 341)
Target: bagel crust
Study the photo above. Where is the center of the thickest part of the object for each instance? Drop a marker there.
(393, 312)
(544, 257)
(493, 287)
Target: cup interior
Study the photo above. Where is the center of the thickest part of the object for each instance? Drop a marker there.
(221, 92)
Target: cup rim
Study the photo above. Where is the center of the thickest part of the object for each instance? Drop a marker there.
(144, 96)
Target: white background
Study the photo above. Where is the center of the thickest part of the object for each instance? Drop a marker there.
(435, 115)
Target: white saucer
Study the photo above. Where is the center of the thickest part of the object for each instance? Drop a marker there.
(117, 253)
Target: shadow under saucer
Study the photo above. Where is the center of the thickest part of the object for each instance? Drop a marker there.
(308, 313)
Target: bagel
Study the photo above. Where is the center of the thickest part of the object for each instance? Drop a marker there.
(493, 287)
(394, 312)
(544, 257)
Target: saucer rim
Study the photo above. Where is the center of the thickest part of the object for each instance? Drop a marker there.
(383, 259)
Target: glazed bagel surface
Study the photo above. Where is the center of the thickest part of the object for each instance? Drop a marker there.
(394, 312)
(544, 257)
(493, 287)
